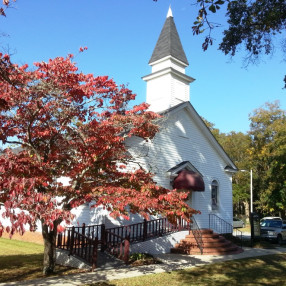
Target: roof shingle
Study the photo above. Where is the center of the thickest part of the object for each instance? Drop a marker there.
(169, 43)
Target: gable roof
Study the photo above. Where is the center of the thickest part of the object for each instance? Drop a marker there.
(169, 43)
(206, 131)
(183, 165)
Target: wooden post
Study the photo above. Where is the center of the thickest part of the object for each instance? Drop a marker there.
(68, 240)
(59, 240)
(126, 249)
(94, 254)
(160, 227)
(72, 240)
(144, 229)
(83, 235)
(103, 238)
(180, 224)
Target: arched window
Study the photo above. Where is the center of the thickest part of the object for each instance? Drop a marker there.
(214, 195)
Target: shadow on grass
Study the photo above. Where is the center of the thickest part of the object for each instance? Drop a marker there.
(263, 270)
(20, 267)
(258, 243)
(26, 267)
(103, 284)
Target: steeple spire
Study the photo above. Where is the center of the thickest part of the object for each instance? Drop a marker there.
(169, 43)
(170, 14)
(168, 84)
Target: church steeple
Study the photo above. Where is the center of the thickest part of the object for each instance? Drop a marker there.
(168, 85)
(170, 13)
(169, 43)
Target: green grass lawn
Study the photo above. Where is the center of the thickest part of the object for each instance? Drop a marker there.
(15, 247)
(23, 261)
(265, 270)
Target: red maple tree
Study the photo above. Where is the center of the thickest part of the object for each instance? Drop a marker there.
(66, 123)
(5, 5)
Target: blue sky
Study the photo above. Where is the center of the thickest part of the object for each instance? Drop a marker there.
(121, 35)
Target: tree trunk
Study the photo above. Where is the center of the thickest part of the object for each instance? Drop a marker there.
(49, 247)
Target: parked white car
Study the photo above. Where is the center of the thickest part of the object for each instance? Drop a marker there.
(237, 223)
(273, 228)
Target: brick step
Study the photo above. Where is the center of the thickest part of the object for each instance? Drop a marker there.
(179, 251)
(205, 231)
(233, 249)
(206, 244)
(205, 235)
(213, 244)
(185, 246)
(205, 239)
(213, 251)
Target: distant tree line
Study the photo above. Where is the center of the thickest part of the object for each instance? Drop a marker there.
(262, 149)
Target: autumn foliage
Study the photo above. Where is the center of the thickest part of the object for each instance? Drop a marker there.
(58, 122)
(5, 4)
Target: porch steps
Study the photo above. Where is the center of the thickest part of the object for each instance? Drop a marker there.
(213, 244)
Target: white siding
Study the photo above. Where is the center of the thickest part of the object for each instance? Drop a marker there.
(159, 92)
(171, 62)
(180, 139)
(180, 91)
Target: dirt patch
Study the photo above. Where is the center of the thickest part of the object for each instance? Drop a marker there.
(35, 237)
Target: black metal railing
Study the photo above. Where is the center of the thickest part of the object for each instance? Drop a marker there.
(196, 231)
(219, 225)
(223, 227)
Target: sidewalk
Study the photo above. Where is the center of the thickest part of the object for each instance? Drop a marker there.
(170, 262)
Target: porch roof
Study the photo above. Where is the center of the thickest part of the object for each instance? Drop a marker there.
(189, 180)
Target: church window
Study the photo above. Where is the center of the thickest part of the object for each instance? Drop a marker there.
(214, 195)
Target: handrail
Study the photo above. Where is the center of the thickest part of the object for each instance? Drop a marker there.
(219, 225)
(149, 229)
(222, 227)
(115, 238)
(196, 231)
(79, 244)
(92, 231)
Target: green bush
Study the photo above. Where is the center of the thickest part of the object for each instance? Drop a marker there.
(140, 256)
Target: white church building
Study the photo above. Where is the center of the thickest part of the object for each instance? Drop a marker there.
(184, 154)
